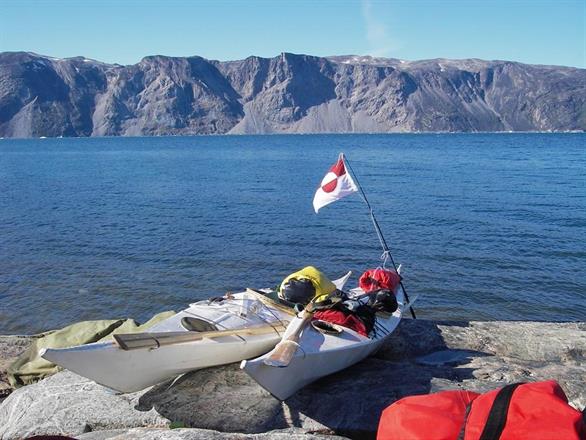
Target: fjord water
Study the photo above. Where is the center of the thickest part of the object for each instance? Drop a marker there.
(487, 226)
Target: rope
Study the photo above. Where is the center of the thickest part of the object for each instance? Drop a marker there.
(381, 328)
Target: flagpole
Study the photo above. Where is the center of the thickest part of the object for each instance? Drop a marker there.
(381, 238)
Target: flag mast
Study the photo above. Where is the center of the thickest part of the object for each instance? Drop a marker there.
(386, 251)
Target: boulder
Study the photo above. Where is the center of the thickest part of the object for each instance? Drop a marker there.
(68, 404)
(419, 358)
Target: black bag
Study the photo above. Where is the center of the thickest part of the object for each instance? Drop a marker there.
(299, 291)
(383, 301)
(368, 316)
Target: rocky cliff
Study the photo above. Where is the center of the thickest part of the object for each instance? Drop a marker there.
(44, 96)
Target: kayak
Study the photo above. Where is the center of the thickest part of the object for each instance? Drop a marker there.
(311, 349)
(321, 353)
(213, 332)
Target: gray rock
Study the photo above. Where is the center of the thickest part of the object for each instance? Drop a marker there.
(10, 348)
(419, 358)
(68, 404)
(496, 353)
(202, 434)
(44, 96)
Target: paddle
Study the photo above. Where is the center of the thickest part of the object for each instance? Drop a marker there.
(410, 303)
(283, 353)
(132, 341)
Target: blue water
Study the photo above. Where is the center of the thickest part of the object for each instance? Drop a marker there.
(487, 226)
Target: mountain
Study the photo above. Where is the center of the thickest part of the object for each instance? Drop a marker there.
(45, 96)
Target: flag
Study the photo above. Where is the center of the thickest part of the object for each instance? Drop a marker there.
(336, 184)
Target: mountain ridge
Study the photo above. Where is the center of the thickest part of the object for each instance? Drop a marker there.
(290, 93)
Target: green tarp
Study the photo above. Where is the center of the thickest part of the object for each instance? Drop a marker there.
(29, 367)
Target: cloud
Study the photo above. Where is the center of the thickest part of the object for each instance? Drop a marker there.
(380, 42)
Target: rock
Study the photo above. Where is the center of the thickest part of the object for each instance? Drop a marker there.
(239, 403)
(10, 348)
(229, 400)
(446, 357)
(45, 96)
(68, 404)
(419, 358)
(497, 352)
(202, 434)
(530, 341)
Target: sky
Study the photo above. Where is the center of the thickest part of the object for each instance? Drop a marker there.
(124, 31)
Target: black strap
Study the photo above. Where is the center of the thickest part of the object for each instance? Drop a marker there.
(497, 417)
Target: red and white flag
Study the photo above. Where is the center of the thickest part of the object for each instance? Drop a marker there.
(336, 184)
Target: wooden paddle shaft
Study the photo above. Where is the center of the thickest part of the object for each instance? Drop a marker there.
(132, 341)
(305, 318)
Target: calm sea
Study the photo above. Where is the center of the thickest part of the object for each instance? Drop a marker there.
(487, 226)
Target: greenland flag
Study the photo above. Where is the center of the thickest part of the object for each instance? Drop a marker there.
(336, 184)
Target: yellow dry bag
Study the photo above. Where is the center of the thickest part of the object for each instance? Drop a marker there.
(305, 285)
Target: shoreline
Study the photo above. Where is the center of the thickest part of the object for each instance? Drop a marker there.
(420, 357)
(344, 133)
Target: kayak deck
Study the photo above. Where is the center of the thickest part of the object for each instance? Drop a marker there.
(248, 328)
(321, 354)
(248, 324)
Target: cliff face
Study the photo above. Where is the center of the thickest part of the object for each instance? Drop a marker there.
(43, 96)
(40, 96)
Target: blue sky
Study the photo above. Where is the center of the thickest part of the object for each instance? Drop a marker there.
(530, 31)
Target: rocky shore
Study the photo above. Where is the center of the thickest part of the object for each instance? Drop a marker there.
(224, 403)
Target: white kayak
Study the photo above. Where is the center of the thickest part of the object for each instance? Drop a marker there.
(208, 333)
(320, 354)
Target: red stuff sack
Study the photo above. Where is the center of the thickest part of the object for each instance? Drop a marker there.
(537, 410)
(345, 320)
(376, 279)
(438, 416)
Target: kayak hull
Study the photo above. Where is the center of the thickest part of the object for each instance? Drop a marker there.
(320, 355)
(132, 370)
(135, 369)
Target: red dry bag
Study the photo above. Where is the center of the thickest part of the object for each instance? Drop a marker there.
(376, 279)
(348, 320)
(537, 410)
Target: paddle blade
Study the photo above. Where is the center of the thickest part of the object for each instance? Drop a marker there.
(410, 303)
(282, 355)
(340, 282)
